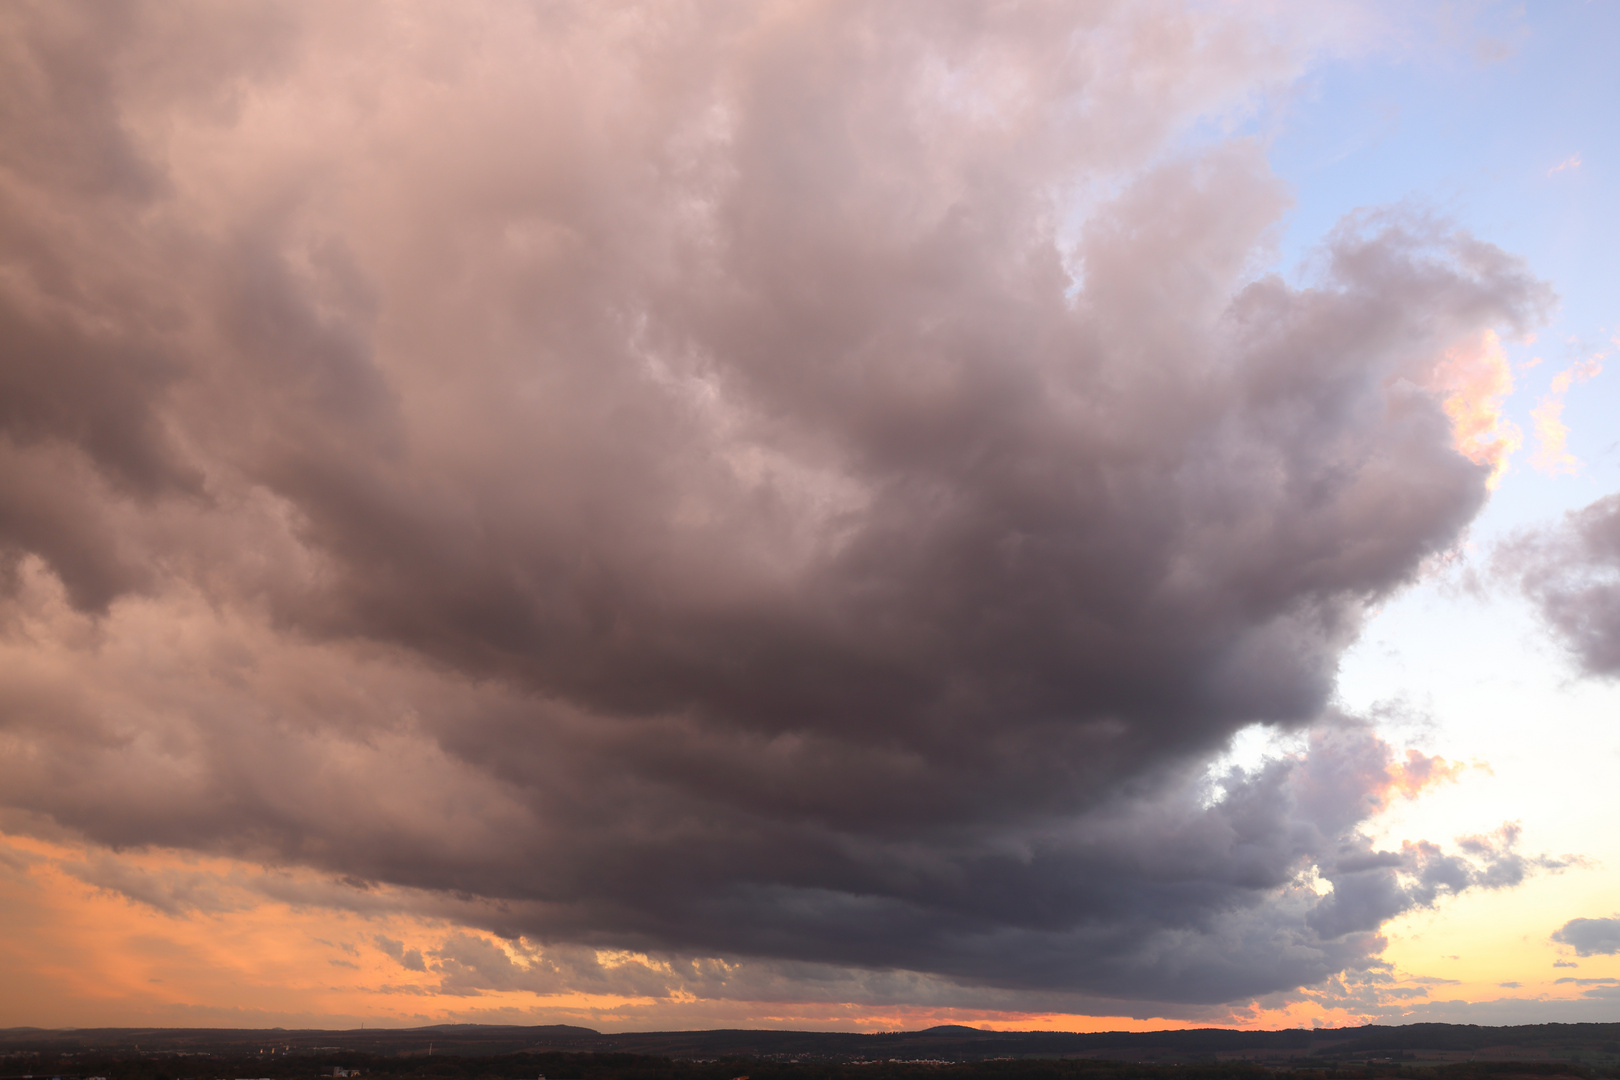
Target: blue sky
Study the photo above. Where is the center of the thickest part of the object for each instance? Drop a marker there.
(1502, 120)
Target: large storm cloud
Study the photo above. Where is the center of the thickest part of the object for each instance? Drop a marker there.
(808, 482)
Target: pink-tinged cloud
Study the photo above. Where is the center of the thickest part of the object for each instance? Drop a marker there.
(1420, 771)
(794, 493)
(1477, 379)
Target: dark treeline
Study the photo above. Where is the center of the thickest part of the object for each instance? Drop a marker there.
(475, 1052)
(620, 1066)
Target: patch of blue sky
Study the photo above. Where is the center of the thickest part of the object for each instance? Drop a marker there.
(1505, 122)
(1510, 130)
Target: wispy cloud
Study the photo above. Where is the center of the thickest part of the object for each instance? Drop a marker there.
(1569, 163)
(1552, 454)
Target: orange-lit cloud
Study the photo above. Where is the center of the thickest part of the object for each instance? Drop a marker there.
(1477, 379)
(1420, 772)
(1552, 454)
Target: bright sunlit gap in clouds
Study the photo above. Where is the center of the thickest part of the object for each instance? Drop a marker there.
(808, 515)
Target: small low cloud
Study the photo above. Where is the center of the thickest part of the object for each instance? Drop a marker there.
(409, 959)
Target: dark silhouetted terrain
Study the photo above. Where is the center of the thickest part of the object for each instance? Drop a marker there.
(479, 1052)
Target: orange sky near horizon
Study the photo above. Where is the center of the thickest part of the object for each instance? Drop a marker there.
(98, 958)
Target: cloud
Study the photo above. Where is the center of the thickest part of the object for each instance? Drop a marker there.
(409, 959)
(171, 890)
(1505, 1011)
(1571, 162)
(1552, 455)
(1571, 571)
(1478, 380)
(790, 494)
(1590, 937)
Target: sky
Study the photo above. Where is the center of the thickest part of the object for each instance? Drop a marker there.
(809, 514)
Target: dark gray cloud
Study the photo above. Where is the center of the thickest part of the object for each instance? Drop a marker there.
(1590, 937)
(793, 483)
(1572, 573)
